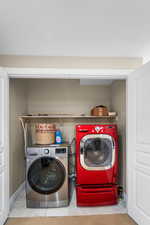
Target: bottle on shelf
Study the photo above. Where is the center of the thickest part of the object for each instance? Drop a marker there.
(58, 137)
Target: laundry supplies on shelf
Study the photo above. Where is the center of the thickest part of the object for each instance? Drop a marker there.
(58, 137)
(45, 133)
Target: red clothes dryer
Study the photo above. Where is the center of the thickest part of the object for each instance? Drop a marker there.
(96, 164)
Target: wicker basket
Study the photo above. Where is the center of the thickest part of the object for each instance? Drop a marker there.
(45, 133)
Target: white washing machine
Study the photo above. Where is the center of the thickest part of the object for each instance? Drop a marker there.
(47, 176)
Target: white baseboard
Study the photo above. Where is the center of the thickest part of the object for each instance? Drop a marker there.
(15, 195)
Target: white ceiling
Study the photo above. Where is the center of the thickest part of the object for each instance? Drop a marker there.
(75, 27)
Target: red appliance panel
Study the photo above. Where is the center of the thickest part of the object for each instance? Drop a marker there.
(95, 177)
(87, 196)
(84, 176)
(87, 128)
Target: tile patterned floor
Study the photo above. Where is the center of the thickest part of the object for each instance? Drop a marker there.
(19, 209)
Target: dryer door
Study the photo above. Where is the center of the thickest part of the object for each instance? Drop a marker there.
(46, 175)
(97, 152)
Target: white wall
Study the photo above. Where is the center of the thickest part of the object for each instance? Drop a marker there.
(18, 105)
(118, 104)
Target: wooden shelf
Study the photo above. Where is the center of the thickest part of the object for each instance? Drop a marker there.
(29, 119)
(65, 117)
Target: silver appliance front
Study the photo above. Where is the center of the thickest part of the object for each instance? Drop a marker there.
(97, 152)
(47, 179)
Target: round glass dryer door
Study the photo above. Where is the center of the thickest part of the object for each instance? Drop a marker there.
(46, 175)
(97, 152)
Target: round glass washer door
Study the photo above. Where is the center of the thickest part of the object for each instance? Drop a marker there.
(46, 175)
(97, 152)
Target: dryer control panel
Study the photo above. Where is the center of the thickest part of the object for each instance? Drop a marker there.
(96, 128)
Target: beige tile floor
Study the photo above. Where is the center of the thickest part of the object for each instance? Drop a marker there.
(19, 209)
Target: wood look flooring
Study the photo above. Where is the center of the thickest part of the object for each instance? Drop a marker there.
(114, 219)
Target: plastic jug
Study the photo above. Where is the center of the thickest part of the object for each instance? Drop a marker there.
(58, 137)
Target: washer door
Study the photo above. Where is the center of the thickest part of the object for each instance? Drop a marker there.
(97, 152)
(46, 175)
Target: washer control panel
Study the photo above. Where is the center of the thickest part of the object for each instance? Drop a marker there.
(46, 151)
(60, 150)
